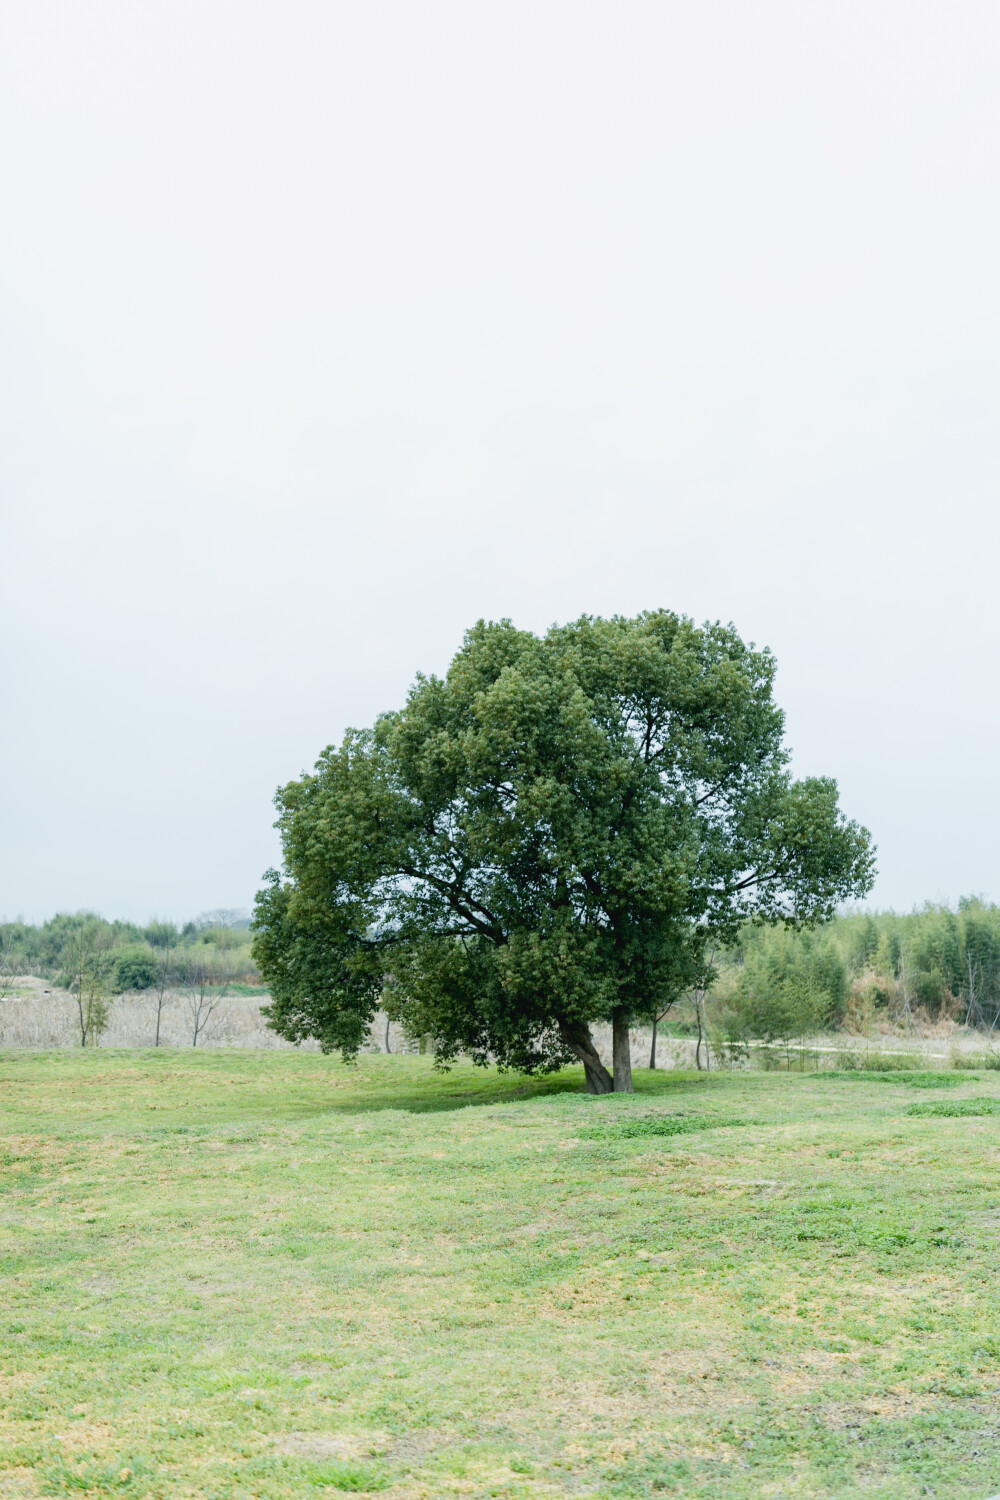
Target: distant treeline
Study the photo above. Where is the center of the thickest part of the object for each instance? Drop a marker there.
(214, 946)
(921, 966)
(931, 964)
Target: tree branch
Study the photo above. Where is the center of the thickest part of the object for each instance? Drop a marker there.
(490, 928)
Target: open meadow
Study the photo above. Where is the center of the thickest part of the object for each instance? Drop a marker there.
(229, 1275)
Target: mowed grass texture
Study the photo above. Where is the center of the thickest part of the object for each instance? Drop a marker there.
(230, 1275)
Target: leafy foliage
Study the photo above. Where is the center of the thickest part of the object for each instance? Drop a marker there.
(791, 985)
(132, 968)
(546, 837)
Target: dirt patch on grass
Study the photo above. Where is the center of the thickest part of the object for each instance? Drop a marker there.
(414, 1447)
(335, 1445)
(16, 1484)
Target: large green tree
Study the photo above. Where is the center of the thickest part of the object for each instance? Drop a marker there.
(547, 837)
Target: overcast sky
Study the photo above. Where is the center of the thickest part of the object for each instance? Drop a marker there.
(326, 329)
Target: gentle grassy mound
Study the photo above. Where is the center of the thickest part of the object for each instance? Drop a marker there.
(236, 1275)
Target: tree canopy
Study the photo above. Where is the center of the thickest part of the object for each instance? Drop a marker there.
(547, 837)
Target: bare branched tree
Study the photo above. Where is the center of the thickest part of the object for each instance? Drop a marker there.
(656, 1022)
(698, 995)
(981, 1010)
(166, 976)
(907, 1008)
(207, 987)
(223, 917)
(699, 1005)
(8, 968)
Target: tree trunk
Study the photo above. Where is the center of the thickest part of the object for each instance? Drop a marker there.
(622, 1051)
(652, 1050)
(576, 1035)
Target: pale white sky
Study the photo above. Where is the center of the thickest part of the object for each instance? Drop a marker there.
(326, 329)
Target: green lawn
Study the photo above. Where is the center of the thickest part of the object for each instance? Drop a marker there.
(228, 1274)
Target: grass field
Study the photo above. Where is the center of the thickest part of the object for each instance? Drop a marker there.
(231, 1274)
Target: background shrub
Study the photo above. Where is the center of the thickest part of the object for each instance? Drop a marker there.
(132, 969)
